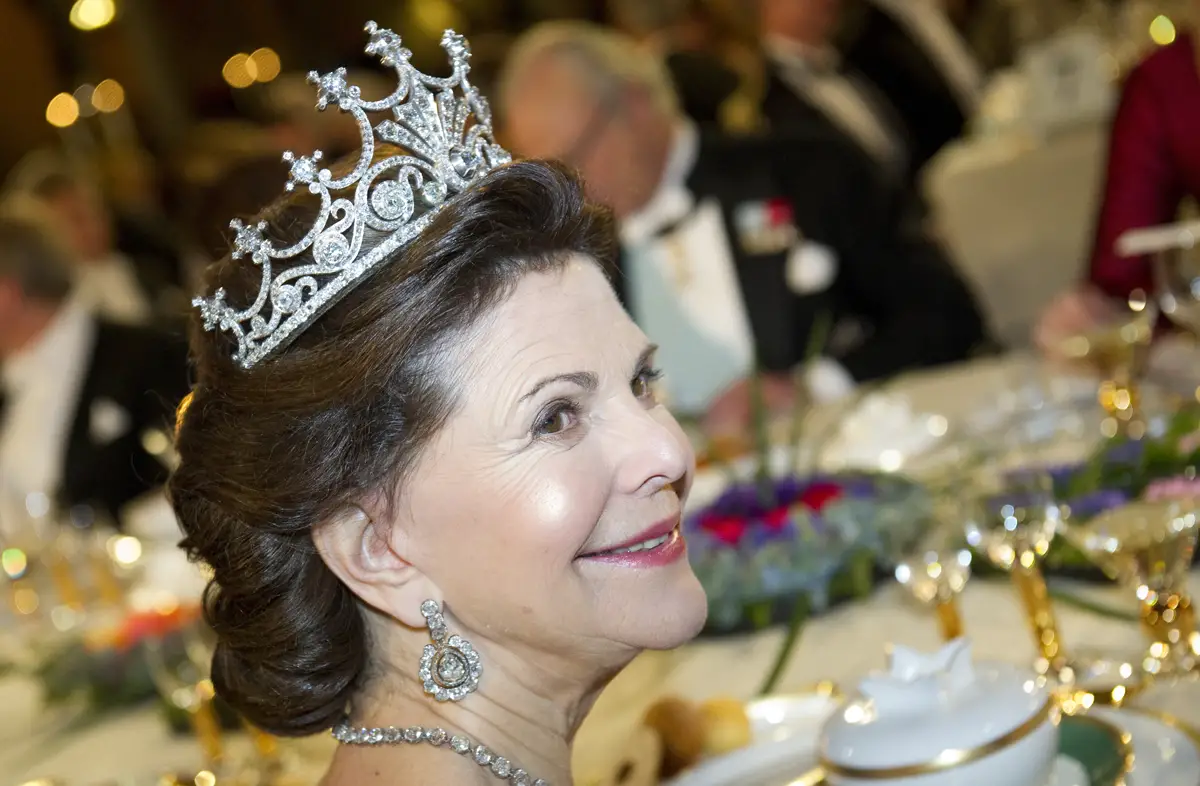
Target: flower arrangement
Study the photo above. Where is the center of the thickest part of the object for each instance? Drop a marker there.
(772, 548)
(1160, 465)
(814, 538)
(105, 665)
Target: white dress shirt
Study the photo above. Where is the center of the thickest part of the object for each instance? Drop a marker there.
(42, 385)
(927, 23)
(685, 294)
(843, 100)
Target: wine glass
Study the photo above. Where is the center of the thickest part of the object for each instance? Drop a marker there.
(1117, 349)
(937, 570)
(1013, 516)
(1148, 546)
(184, 683)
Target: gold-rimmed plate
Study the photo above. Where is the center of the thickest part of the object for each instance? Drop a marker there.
(783, 742)
(1166, 751)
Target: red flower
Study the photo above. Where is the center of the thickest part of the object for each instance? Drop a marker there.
(818, 495)
(153, 624)
(776, 519)
(727, 529)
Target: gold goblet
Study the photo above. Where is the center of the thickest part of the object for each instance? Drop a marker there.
(1118, 350)
(936, 579)
(1148, 546)
(1014, 530)
(185, 685)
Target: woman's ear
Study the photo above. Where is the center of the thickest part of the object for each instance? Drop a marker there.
(368, 557)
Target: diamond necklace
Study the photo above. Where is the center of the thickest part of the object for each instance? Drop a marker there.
(499, 766)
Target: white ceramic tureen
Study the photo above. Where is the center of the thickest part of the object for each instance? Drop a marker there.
(939, 720)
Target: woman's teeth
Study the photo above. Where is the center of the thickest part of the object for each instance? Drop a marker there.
(653, 543)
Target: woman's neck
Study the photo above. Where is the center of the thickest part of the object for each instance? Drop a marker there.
(527, 709)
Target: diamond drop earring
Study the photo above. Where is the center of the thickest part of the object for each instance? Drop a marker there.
(450, 667)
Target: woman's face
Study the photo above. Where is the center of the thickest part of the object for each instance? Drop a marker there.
(558, 454)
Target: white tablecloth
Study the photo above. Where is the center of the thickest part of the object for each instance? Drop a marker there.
(1017, 215)
(840, 645)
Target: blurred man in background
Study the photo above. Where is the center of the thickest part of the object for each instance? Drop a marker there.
(737, 252)
(895, 76)
(810, 87)
(125, 270)
(85, 403)
(714, 67)
(914, 54)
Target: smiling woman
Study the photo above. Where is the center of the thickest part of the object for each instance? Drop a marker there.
(436, 511)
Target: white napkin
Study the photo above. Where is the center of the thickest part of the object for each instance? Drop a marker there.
(882, 433)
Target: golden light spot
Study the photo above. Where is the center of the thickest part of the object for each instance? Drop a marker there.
(1162, 30)
(434, 16)
(266, 64)
(25, 601)
(62, 110)
(92, 14)
(108, 96)
(240, 71)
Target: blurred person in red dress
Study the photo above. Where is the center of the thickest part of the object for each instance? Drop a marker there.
(1153, 167)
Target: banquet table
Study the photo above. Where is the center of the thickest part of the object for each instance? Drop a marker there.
(840, 645)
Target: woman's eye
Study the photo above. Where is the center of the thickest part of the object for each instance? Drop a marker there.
(556, 422)
(643, 384)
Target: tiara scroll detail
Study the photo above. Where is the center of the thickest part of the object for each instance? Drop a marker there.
(397, 196)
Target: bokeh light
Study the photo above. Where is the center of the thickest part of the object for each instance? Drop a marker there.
(1162, 30)
(83, 99)
(108, 96)
(266, 64)
(92, 14)
(240, 71)
(25, 601)
(124, 549)
(62, 111)
(14, 563)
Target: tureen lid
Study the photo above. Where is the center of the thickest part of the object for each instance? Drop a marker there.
(934, 708)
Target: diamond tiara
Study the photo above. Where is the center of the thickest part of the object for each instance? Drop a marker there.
(398, 195)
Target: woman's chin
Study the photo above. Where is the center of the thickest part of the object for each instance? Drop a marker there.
(670, 618)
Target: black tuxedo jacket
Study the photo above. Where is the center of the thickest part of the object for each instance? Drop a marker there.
(893, 284)
(703, 83)
(877, 46)
(788, 112)
(144, 373)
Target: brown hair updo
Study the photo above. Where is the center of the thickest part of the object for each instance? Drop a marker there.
(334, 420)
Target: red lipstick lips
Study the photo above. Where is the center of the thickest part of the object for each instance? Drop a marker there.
(659, 545)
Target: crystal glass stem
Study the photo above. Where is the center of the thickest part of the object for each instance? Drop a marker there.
(1035, 597)
(1119, 397)
(949, 619)
(266, 746)
(62, 573)
(1170, 623)
(106, 580)
(206, 726)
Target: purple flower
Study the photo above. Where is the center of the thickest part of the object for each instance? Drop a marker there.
(762, 536)
(1096, 502)
(1125, 452)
